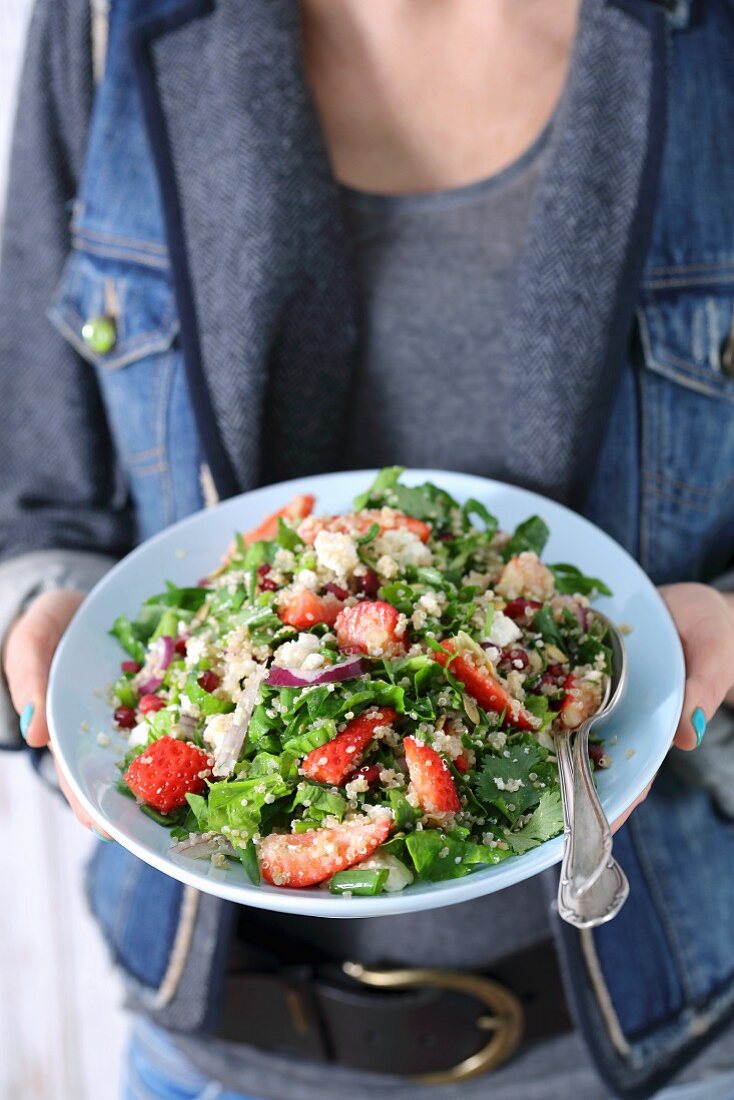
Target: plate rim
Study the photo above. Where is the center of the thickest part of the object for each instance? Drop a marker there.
(316, 902)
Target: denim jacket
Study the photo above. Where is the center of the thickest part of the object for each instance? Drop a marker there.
(205, 221)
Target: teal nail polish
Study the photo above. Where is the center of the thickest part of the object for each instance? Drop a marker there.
(26, 718)
(99, 836)
(698, 721)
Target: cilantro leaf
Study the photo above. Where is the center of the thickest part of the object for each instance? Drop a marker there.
(504, 781)
(546, 822)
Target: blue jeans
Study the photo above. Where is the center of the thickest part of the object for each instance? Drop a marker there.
(155, 1069)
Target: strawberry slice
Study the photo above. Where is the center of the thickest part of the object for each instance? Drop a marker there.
(486, 689)
(333, 762)
(357, 523)
(432, 781)
(304, 859)
(582, 699)
(167, 770)
(370, 627)
(302, 608)
(298, 508)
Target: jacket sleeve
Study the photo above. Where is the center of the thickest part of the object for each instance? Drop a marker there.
(60, 486)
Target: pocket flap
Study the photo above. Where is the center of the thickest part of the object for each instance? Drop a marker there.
(684, 333)
(139, 299)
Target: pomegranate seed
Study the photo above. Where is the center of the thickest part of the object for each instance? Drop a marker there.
(336, 590)
(370, 772)
(263, 569)
(131, 666)
(267, 585)
(520, 608)
(555, 671)
(461, 764)
(515, 659)
(180, 646)
(203, 583)
(596, 753)
(125, 717)
(208, 681)
(149, 703)
(368, 584)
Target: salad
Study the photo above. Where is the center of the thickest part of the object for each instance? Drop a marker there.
(362, 701)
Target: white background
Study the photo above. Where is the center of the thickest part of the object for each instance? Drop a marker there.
(61, 1025)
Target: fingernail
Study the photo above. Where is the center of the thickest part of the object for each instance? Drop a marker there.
(698, 721)
(26, 718)
(99, 835)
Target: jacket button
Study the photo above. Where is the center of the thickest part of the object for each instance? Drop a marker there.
(100, 334)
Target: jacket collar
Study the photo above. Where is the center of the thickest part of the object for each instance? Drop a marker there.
(258, 253)
(576, 285)
(261, 264)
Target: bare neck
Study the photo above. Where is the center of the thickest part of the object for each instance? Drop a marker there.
(422, 95)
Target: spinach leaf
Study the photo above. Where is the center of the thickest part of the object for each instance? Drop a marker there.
(530, 535)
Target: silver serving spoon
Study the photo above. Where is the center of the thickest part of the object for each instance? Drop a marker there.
(587, 860)
(590, 846)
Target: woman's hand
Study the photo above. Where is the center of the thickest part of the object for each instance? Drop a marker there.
(29, 649)
(704, 619)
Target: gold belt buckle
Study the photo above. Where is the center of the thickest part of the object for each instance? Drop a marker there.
(505, 1019)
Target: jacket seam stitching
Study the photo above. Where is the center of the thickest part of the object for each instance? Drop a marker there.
(180, 950)
(118, 238)
(112, 252)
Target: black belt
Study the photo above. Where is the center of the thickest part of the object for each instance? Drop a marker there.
(436, 1026)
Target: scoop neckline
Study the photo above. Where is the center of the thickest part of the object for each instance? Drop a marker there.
(452, 196)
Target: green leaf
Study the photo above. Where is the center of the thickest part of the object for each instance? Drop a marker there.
(539, 706)
(387, 478)
(200, 810)
(476, 508)
(572, 582)
(184, 599)
(125, 692)
(204, 700)
(548, 628)
(238, 805)
(530, 535)
(370, 535)
(405, 815)
(545, 823)
(438, 856)
(320, 802)
(287, 538)
(128, 637)
(504, 780)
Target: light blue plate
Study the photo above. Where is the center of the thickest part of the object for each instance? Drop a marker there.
(88, 659)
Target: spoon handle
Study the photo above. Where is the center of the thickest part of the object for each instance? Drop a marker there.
(590, 847)
(562, 745)
(601, 902)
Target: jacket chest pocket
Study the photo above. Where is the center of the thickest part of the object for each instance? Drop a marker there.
(687, 429)
(121, 317)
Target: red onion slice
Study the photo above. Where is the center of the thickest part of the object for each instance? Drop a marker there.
(160, 655)
(331, 674)
(230, 747)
